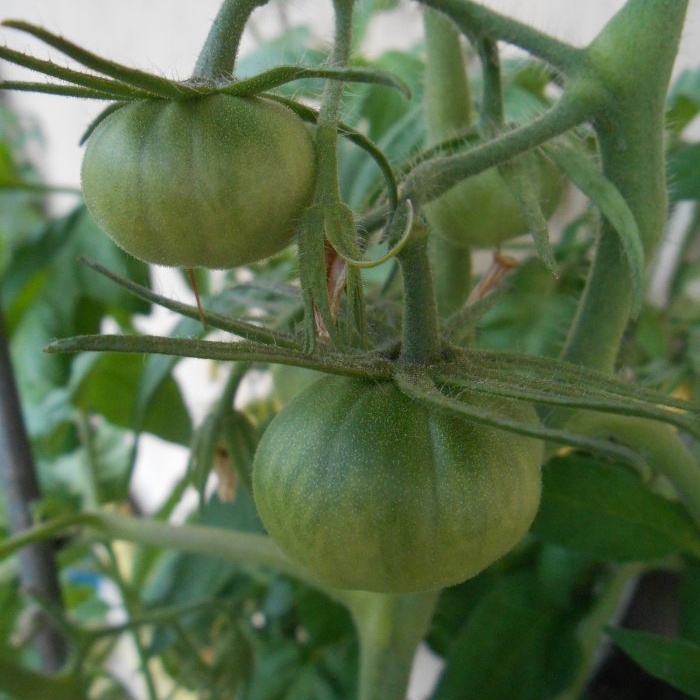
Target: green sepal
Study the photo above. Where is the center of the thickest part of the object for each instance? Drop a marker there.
(421, 388)
(280, 75)
(123, 75)
(520, 175)
(54, 89)
(106, 112)
(117, 91)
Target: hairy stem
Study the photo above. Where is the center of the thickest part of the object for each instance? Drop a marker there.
(631, 60)
(448, 110)
(476, 20)
(434, 177)
(218, 55)
(390, 627)
(420, 333)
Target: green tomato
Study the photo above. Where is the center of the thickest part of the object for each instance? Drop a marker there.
(370, 490)
(482, 212)
(213, 182)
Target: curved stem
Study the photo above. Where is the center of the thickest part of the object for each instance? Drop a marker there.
(218, 55)
(658, 443)
(238, 547)
(389, 627)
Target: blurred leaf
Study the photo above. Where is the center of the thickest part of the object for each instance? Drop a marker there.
(683, 174)
(515, 645)
(675, 661)
(605, 511)
(110, 384)
(683, 100)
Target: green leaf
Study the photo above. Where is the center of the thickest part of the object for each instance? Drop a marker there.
(605, 511)
(516, 645)
(110, 387)
(675, 661)
(683, 174)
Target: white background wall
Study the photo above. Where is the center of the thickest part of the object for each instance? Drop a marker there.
(164, 36)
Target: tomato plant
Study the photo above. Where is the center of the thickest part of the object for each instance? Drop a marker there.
(495, 458)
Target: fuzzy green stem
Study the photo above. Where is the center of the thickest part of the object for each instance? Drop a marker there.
(592, 628)
(476, 20)
(434, 177)
(631, 61)
(329, 114)
(492, 97)
(390, 627)
(420, 332)
(218, 55)
(448, 109)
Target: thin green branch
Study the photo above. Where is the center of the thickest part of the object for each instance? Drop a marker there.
(237, 547)
(476, 20)
(358, 138)
(434, 177)
(218, 55)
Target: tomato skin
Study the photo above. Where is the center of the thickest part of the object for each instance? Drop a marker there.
(214, 182)
(370, 490)
(482, 212)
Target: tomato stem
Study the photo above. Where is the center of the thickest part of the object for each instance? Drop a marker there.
(421, 338)
(476, 20)
(631, 62)
(218, 55)
(435, 176)
(390, 627)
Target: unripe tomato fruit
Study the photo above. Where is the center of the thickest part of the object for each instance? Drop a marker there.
(213, 182)
(482, 212)
(370, 490)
